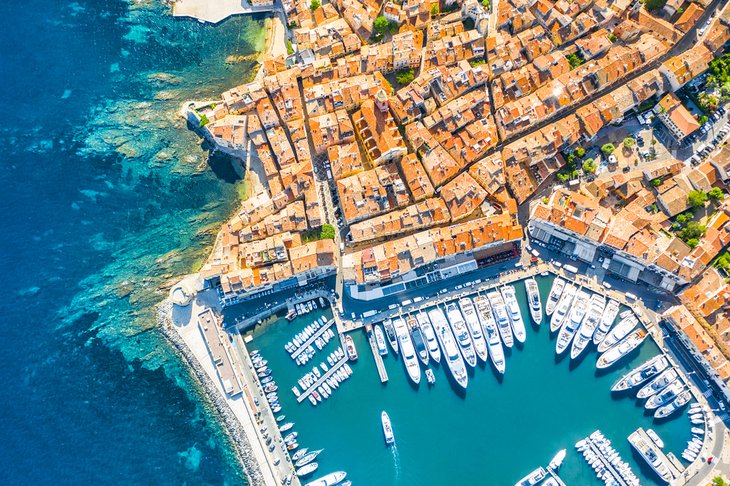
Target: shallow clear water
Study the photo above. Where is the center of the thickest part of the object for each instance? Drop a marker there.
(495, 433)
(106, 195)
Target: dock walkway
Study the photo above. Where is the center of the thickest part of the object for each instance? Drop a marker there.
(376, 354)
(312, 338)
(555, 476)
(607, 464)
(640, 435)
(303, 396)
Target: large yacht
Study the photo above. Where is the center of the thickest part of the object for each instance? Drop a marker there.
(639, 375)
(666, 410)
(430, 335)
(665, 396)
(387, 428)
(650, 455)
(329, 480)
(609, 315)
(407, 350)
(418, 340)
(562, 308)
(500, 314)
(390, 333)
(458, 325)
(496, 353)
(620, 331)
(588, 326)
(513, 310)
(475, 327)
(380, 340)
(533, 299)
(554, 296)
(631, 342)
(448, 344)
(659, 383)
(577, 313)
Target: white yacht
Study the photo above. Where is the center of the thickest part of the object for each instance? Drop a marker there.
(475, 327)
(418, 340)
(663, 380)
(513, 310)
(430, 335)
(380, 340)
(448, 344)
(665, 396)
(639, 375)
(496, 353)
(533, 299)
(631, 342)
(456, 320)
(562, 308)
(650, 456)
(407, 350)
(329, 480)
(670, 408)
(500, 314)
(590, 322)
(387, 428)
(557, 461)
(609, 315)
(554, 296)
(620, 331)
(390, 334)
(577, 313)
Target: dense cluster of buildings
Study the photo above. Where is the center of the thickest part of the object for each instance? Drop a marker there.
(428, 175)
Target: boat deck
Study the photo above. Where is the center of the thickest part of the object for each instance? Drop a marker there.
(640, 433)
(303, 396)
(312, 338)
(376, 355)
(555, 476)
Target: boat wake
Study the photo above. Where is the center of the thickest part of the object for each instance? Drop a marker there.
(396, 461)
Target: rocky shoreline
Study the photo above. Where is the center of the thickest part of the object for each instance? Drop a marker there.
(212, 396)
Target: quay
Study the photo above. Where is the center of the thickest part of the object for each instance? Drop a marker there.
(312, 338)
(219, 352)
(382, 373)
(606, 463)
(244, 324)
(639, 440)
(303, 396)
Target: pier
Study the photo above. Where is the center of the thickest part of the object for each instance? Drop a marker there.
(311, 339)
(555, 477)
(640, 439)
(303, 396)
(376, 355)
(607, 464)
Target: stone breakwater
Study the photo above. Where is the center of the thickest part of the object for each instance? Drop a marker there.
(235, 432)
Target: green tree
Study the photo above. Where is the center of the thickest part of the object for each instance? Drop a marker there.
(589, 167)
(702, 119)
(486, 4)
(692, 242)
(723, 262)
(612, 37)
(719, 481)
(684, 218)
(716, 194)
(434, 9)
(653, 5)
(655, 182)
(328, 232)
(571, 158)
(697, 199)
(203, 120)
(580, 151)
(315, 5)
(629, 142)
(608, 149)
(693, 230)
(711, 82)
(574, 60)
(725, 92)
(381, 24)
(404, 76)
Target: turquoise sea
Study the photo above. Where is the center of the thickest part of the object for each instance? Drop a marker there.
(106, 194)
(498, 431)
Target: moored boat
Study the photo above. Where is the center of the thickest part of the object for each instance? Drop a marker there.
(387, 428)
(380, 340)
(609, 315)
(448, 345)
(407, 350)
(649, 454)
(501, 317)
(299, 454)
(533, 478)
(658, 384)
(475, 327)
(329, 480)
(563, 307)
(631, 342)
(390, 334)
(665, 396)
(557, 461)
(568, 330)
(533, 299)
(307, 458)
(590, 322)
(458, 325)
(554, 296)
(642, 373)
(513, 311)
(430, 335)
(350, 347)
(655, 437)
(491, 332)
(619, 331)
(418, 340)
(308, 469)
(430, 377)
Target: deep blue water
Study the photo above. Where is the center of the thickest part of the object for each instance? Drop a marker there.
(106, 195)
